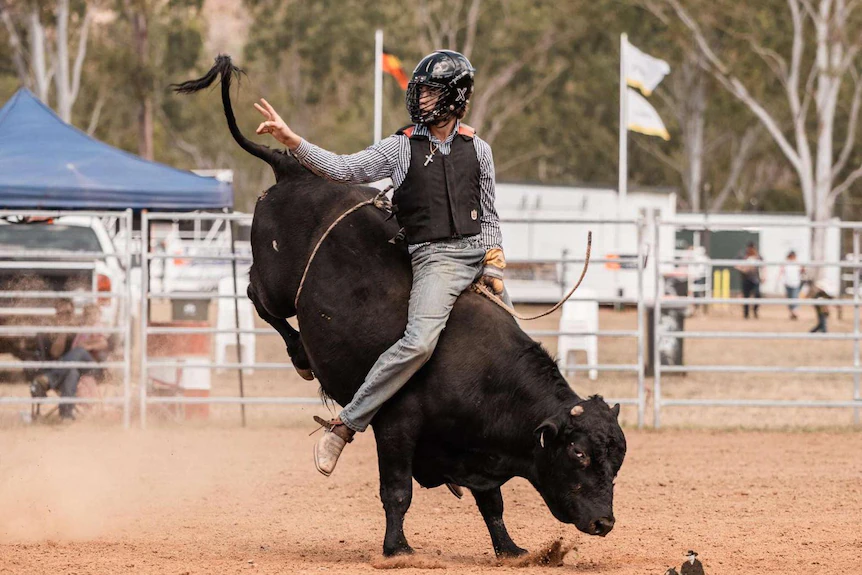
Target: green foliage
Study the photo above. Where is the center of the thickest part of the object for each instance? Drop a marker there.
(313, 61)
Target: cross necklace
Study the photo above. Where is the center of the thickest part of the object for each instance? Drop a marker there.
(430, 157)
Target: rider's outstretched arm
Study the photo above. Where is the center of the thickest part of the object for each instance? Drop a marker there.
(374, 163)
(371, 164)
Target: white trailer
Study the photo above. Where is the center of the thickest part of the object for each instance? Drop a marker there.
(527, 236)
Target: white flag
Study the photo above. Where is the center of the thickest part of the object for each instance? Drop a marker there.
(643, 118)
(642, 70)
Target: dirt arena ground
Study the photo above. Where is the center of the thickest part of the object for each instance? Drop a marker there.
(767, 491)
(90, 499)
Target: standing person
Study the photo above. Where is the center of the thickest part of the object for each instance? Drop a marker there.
(821, 290)
(791, 273)
(697, 270)
(444, 179)
(751, 278)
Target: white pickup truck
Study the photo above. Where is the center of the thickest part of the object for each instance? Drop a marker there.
(64, 254)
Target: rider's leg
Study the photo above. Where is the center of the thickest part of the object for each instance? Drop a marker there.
(441, 272)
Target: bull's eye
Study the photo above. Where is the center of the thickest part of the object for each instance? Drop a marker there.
(578, 455)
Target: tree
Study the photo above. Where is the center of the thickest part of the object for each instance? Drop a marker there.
(821, 58)
(512, 79)
(151, 25)
(687, 95)
(48, 56)
(139, 13)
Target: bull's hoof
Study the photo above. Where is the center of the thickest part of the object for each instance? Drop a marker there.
(455, 490)
(396, 550)
(512, 552)
(305, 374)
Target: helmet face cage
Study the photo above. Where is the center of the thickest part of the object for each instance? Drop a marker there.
(440, 111)
(446, 75)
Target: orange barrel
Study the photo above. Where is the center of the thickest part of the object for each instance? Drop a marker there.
(191, 350)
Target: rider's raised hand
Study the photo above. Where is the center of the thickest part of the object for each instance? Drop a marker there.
(275, 125)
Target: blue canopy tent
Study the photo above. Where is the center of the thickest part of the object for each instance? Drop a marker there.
(48, 164)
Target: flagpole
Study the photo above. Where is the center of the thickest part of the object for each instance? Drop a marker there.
(624, 149)
(378, 85)
(624, 120)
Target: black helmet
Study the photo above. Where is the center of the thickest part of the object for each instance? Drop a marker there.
(449, 76)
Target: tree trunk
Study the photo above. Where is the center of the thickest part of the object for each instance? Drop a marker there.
(15, 45)
(36, 34)
(695, 112)
(145, 110)
(61, 76)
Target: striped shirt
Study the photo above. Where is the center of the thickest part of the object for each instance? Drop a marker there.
(390, 158)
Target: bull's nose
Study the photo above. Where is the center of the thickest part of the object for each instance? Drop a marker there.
(602, 526)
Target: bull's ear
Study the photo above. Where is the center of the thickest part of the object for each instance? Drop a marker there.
(546, 432)
(616, 410)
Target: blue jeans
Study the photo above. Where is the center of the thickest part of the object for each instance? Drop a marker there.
(65, 381)
(792, 293)
(441, 272)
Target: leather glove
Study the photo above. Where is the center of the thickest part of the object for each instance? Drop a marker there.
(492, 274)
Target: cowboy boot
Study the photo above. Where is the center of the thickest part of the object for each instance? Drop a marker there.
(329, 447)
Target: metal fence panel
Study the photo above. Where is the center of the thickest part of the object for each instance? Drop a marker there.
(121, 302)
(148, 294)
(659, 297)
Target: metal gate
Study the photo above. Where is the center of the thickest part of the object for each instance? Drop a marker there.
(230, 221)
(661, 297)
(114, 225)
(609, 268)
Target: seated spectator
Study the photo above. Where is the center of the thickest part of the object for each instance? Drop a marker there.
(96, 343)
(69, 347)
(99, 346)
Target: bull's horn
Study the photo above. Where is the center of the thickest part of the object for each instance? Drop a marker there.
(577, 410)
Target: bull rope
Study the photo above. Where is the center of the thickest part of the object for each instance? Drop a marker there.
(482, 289)
(379, 201)
(382, 203)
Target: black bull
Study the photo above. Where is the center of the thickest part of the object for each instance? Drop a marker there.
(488, 406)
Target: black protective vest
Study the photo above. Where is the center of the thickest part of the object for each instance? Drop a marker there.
(441, 199)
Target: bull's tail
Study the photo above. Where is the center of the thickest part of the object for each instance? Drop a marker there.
(225, 70)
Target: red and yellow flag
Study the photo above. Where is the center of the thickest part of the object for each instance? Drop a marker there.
(392, 65)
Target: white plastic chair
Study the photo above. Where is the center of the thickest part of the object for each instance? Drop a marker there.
(580, 316)
(227, 320)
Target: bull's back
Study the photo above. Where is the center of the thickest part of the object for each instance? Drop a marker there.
(289, 219)
(353, 304)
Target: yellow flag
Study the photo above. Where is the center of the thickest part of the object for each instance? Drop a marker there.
(643, 118)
